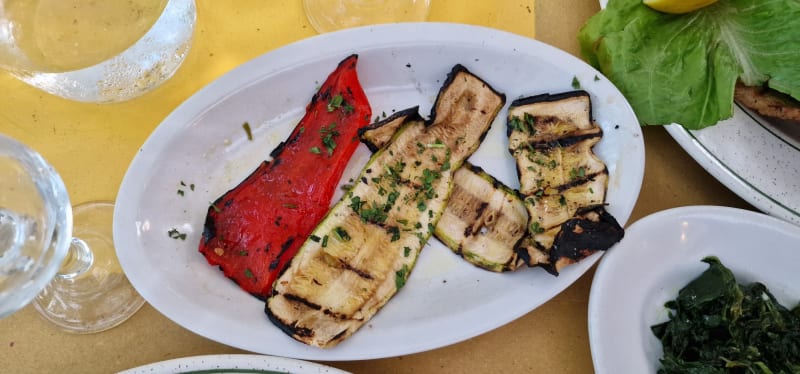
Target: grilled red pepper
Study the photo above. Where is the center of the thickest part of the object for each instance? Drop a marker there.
(253, 230)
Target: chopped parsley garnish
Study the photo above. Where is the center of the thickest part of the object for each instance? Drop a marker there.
(421, 238)
(324, 241)
(437, 144)
(391, 199)
(536, 228)
(530, 121)
(182, 191)
(214, 206)
(248, 273)
(328, 133)
(406, 251)
(341, 234)
(576, 84)
(400, 277)
(395, 233)
(335, 103)
(374, 214)
(516, 124)
(315, 150)
(289, 206)
(577, 173)
(562, 200)
(315, 238)
(175, 234)
(246, 127)
(446, 164)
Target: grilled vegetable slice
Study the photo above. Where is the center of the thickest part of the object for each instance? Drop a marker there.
(367, 245)
(253, 230)
(551, 138)
(379, 134)
(483, 220)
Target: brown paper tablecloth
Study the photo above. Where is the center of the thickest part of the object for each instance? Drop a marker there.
(91, 146)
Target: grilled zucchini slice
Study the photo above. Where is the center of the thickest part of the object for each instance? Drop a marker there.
(484, 219)
(364, 250)
(561, 179)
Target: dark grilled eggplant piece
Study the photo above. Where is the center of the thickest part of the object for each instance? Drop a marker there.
(561, 179)
(364, 250)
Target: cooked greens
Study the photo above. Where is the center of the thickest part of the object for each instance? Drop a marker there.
(719, 326)
(682, 68)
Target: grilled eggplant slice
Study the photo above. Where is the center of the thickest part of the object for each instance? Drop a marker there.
(561, 179)
(363, 251)
(484, 219)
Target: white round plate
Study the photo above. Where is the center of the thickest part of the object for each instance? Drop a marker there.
(755, 157)
(661, 254)
(446, 300)
(232, 364)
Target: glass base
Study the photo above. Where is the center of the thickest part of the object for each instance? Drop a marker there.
(97, 297)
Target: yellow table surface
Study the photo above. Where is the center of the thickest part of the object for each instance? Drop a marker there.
(92, 145)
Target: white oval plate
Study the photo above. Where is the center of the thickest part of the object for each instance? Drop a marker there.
(446, 300)
(661, 254)
(232, 364)
(756, 158)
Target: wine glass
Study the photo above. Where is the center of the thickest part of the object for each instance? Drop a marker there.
(95, 51)
(330, 15)
(35, 224)
(60, 257)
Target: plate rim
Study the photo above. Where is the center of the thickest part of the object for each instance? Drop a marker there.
(229, 84)
(609, 263)
(236, 361)
(725, 175)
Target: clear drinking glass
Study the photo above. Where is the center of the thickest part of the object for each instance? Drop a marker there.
(95, 50)
(330, 15)
(35, 224)
(63, 258)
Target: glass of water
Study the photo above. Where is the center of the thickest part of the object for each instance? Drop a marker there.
(95, 50)
(60, 257)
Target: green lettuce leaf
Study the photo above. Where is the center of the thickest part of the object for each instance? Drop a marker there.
(683, 68)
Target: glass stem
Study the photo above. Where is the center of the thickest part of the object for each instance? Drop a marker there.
(79, 259)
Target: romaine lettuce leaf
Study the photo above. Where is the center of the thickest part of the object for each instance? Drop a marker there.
(683, 68)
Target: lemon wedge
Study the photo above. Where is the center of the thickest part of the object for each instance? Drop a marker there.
(678, 6)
